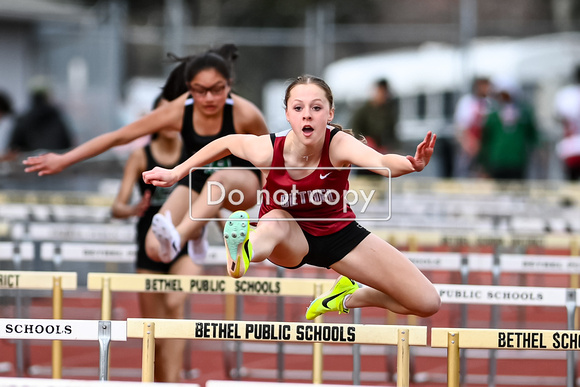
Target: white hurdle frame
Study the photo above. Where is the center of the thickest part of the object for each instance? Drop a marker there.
(17, 252)
(36, 382)
(88, 252)
(86, 232)
(512, 339)
(108, 283)
(401, 336)
(57, 330)
(513, 296)
(45, 280)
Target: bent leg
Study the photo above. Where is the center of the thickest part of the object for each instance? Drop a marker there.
(393, 281)
(178, 205)
(240, 186)
(279, 238)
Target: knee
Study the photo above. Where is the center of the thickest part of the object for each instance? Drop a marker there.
(273, 226)
(175, 307)
(430, 304)
(151, 249)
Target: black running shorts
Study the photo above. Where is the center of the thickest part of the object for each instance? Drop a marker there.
(325, 250)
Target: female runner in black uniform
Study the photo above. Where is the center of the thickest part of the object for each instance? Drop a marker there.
(165, 149)
(208, 77)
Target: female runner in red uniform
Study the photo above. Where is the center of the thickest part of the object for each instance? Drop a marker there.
(305, 189)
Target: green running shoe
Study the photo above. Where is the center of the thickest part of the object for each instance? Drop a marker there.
(238, 247)
(332, 300)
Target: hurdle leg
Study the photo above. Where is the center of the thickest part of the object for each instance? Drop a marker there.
(104, 345)
(453, 359)
(391, 368)
(570, 355)
(57, 315)
(574, 280)
(317, 347)
(403, 358)
(280, 317)
(148, 367)
(106, 300)
(356, 350)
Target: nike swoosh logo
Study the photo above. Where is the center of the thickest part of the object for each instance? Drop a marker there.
(175, 247)
(322, 177)
(328, 299)
(246, 249)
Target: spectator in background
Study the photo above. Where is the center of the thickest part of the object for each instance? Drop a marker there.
(470, 114)
(377, 119)
(567, 109)
(5, 105)
(41, 127)
(509, 134)
(6, 123)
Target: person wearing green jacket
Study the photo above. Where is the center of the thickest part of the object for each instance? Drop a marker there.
(509, 135)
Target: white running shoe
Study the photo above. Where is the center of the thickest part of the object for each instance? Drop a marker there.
(197, 248)
(167, 235)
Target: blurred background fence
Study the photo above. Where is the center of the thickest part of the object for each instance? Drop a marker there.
(104, 60)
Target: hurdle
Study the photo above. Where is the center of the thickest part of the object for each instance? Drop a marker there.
(436, 237)
(44, 280)
(58, 330)
(17, 253)
(402, 336)
(232, 383)
(36, 382)
(513, 296)
(110, 254)
(108, 283)
(510, 339)
(87, 232)
(88, 252)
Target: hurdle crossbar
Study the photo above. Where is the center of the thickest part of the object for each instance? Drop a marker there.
(44, 280)
(112, 282)
(16, 251)
(88, 252)
(416, 238)
(37, 280)
(85, 232)
(107, 283)
(36, 382)
(401, 336)
(455, 339)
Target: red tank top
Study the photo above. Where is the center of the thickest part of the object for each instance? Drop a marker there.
(317, 198)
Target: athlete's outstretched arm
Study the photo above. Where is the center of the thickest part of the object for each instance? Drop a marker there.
(248, 119)
(346, 150)
(255, 149)
(162, 118)
(122, 207)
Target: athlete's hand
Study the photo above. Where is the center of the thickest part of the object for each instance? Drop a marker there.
(143, 204)
(46, 164)
(423, 153)
(160, 177)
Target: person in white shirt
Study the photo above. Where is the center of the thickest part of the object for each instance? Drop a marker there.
(567, 110)
(470, 114)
